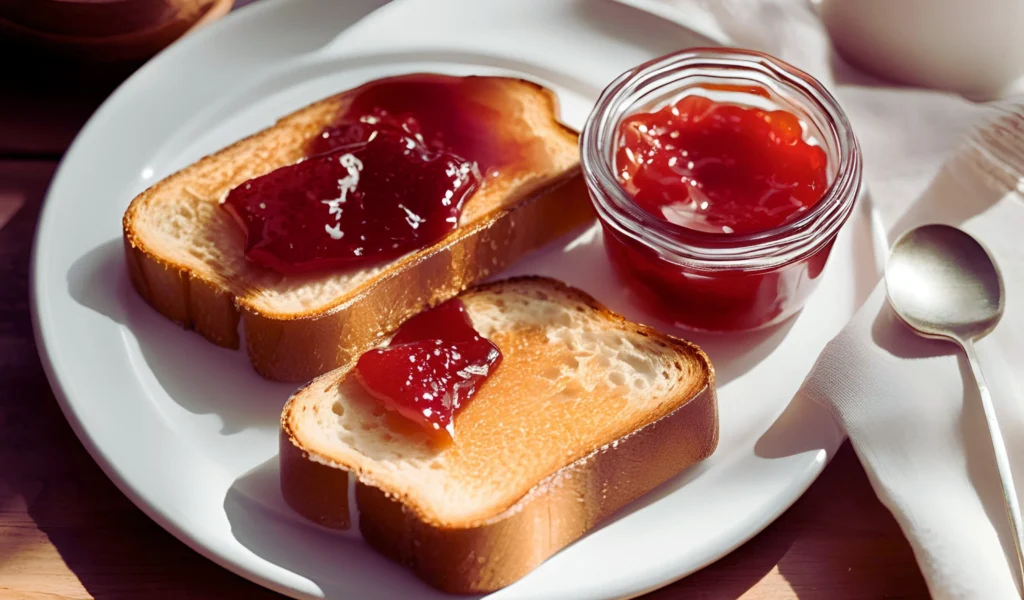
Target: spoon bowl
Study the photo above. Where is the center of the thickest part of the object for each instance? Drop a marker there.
(944, 284)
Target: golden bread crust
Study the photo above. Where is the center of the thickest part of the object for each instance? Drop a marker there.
(486, 554)
(296, 346)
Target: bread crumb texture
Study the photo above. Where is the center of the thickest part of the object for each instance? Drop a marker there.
(573, 379)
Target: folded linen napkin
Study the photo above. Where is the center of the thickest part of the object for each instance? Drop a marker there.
(910, 405)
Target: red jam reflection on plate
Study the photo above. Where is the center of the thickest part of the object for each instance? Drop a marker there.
(389, 176)
(433, 365)
(720, 168)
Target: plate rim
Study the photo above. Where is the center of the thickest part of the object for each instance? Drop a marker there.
(209, 546)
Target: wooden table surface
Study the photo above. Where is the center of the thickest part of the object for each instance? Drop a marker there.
(66, 531)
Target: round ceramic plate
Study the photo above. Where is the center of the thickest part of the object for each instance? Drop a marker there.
(189, 432)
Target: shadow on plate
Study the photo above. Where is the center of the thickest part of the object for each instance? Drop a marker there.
(262, 522)
(579, 260)
(204, 378)
(819, 427)
(200, 377)
(818, 431)
(656, 35)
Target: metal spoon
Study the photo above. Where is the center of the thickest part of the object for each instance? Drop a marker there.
(944, 284)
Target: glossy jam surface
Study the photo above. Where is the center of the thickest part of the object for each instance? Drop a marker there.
(719, 168)
(461, 115)
(355, 205)
(389, 176)
(433, 365)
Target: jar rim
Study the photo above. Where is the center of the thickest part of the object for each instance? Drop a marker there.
(768, 248)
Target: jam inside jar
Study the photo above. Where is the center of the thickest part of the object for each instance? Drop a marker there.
(721, 178)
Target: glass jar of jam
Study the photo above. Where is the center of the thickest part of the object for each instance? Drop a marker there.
(721, 178)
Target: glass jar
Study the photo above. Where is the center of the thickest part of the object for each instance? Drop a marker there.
(720, 281)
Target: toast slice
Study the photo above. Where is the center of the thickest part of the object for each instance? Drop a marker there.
(586, 413)
(186, 256)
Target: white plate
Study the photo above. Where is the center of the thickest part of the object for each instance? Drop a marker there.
(189, 432)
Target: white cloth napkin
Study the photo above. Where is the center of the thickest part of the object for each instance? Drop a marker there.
(910, 405)
(912, 412)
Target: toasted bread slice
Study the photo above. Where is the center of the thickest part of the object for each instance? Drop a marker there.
(185, 254)
(585, 413)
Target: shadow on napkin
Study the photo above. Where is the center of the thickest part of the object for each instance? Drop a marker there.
(890, 334)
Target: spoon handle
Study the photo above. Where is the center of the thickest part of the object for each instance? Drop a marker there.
(1002, 460)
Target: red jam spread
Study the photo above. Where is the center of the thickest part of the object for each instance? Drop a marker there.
(720, 168)
(389, 176)
(433, 365)
(461, 115)
(358, 204)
